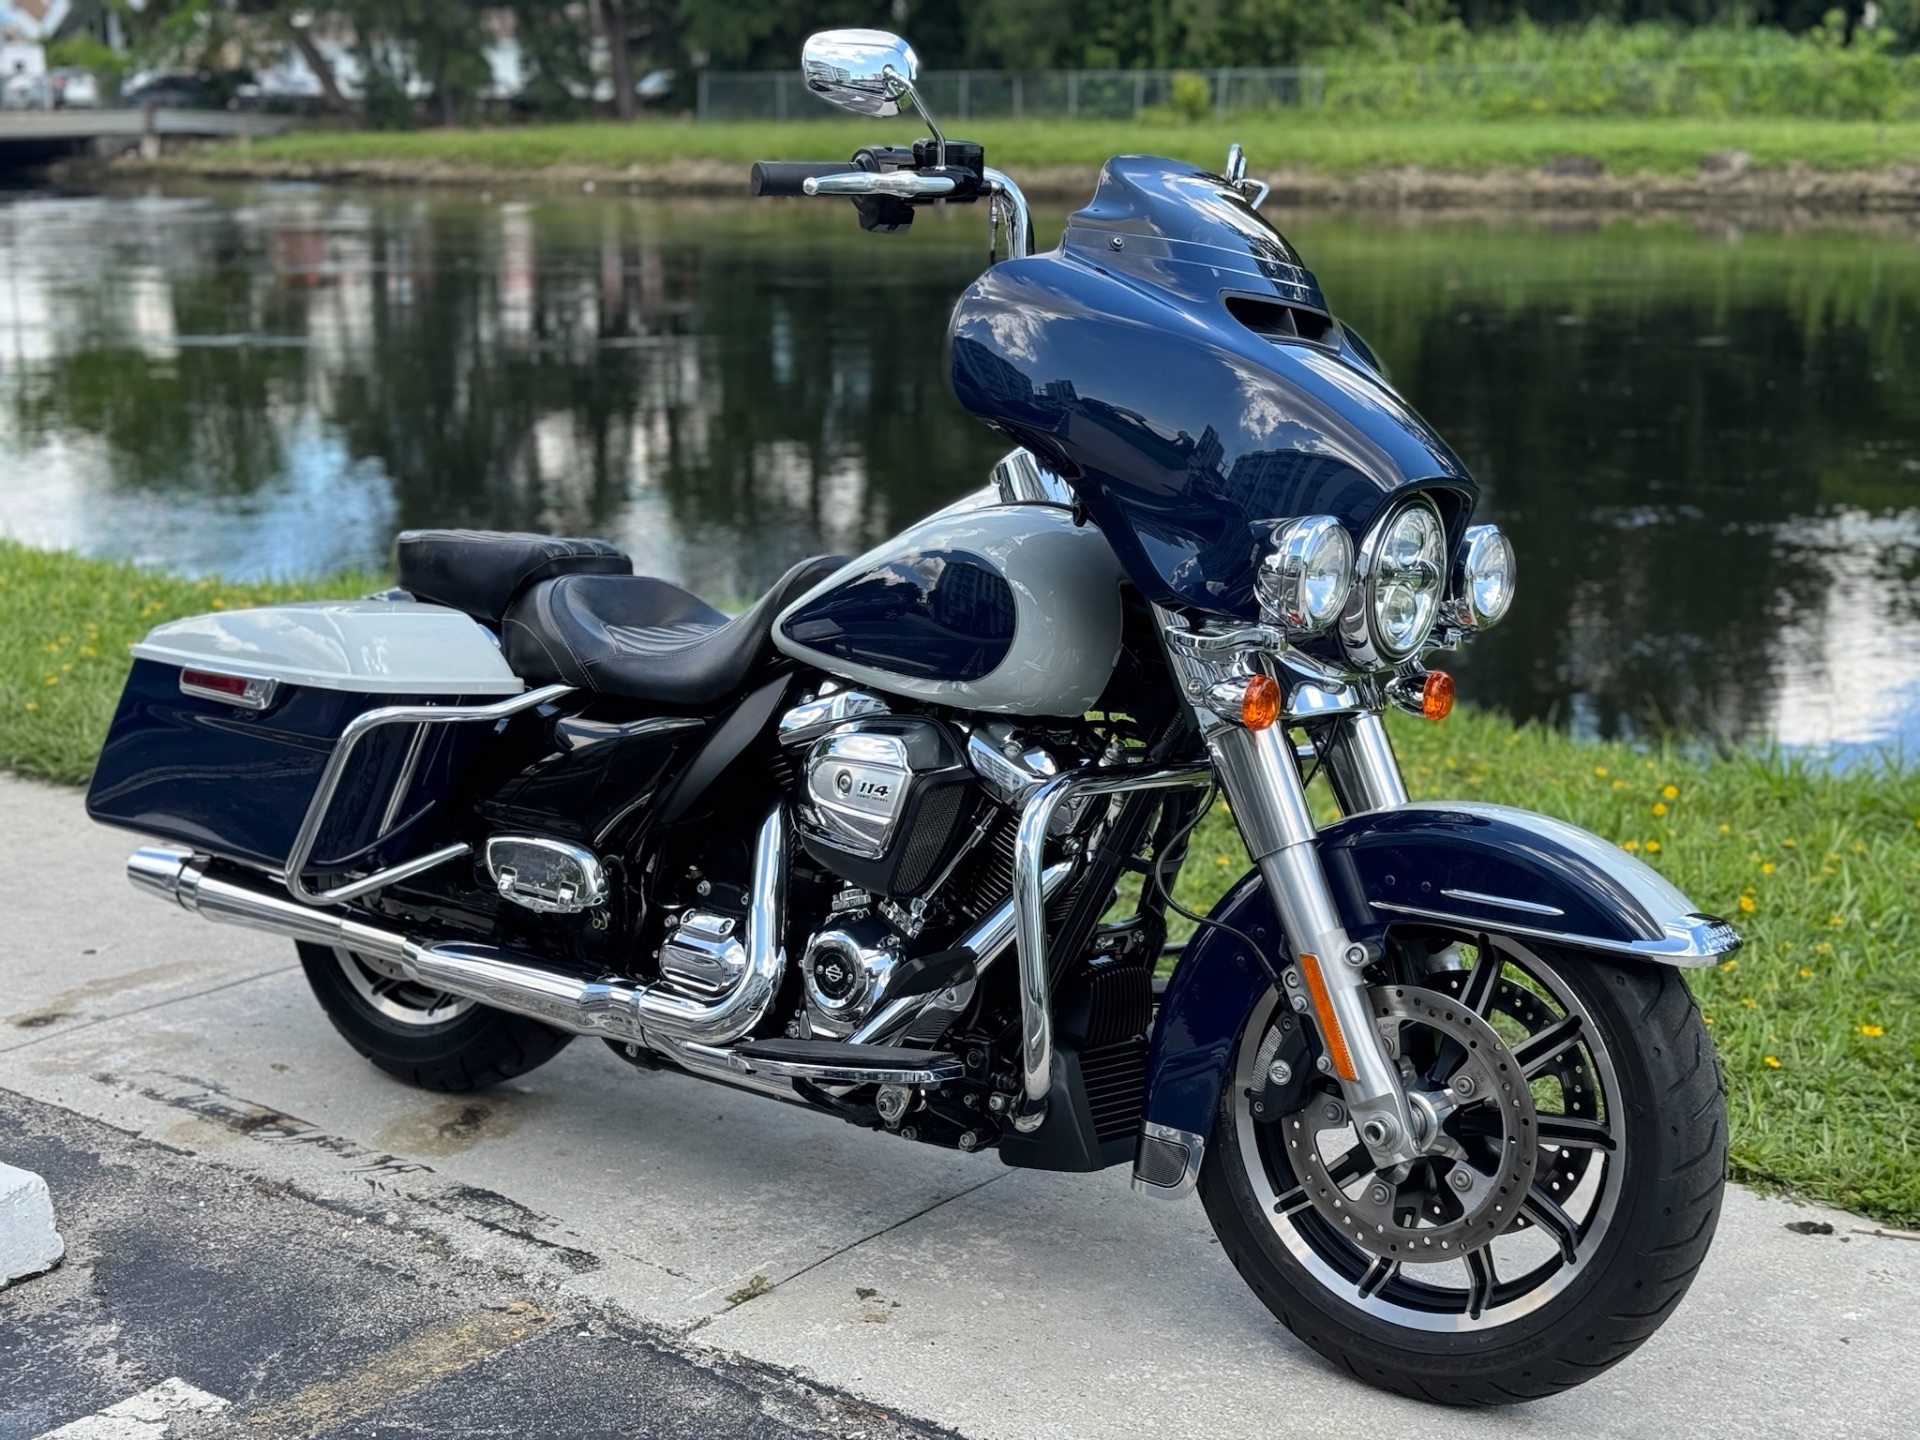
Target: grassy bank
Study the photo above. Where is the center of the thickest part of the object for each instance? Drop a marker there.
(65, 625)
(1816, 1020)
(1624, 145)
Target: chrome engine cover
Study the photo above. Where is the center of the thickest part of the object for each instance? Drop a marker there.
(550, 876)
(703, 953)
(885, 801)
(845, 972)
(856, 789)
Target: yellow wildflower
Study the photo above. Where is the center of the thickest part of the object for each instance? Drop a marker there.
(1621, 785)
(1773, 1062)
(1823, 948)
(1746, 904)
(1790, 842)
(1672, 792)
(1749, 1002)
(1629, 844)
(1602, 772)
(1872, 1030)
(1653, 847)
(1805, 973)
(1836, 920)
(53, 679)
(1729, 964)
(1767, 868)
(1726, 829)
(1659, 807)
(33, 704)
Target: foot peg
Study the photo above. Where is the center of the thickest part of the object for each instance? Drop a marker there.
(833, 1063)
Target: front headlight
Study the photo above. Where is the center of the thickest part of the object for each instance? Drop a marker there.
(1305, 577)
(1402, 581)
(1483, 589)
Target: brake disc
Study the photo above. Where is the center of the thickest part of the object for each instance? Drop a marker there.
(1468, 1185)
(1560, 1170)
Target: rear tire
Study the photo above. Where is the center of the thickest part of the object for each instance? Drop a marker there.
(1667, 1119)
(434, 1041)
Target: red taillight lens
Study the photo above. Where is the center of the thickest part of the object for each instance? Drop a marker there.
(234, 685)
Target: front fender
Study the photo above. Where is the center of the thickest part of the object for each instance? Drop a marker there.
(1462, 863)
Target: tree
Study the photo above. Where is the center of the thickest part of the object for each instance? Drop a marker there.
(613, 25)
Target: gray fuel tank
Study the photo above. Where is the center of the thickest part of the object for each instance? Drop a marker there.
(1009, 608)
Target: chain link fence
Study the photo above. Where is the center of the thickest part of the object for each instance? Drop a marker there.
(1835, 84)
(955, 95)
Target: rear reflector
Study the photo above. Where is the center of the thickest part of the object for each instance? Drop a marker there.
(248, 693)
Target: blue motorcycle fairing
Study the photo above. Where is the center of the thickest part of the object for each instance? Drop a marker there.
(1120, 360)
(1462, 864)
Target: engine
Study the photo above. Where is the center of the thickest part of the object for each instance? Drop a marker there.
(885, 801)
(914, 815)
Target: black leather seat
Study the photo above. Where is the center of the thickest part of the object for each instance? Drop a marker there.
(642, 638)
(481, 571)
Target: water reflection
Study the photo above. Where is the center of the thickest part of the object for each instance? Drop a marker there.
(1706, 443)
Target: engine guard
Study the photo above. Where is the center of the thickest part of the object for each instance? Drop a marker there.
(1487, 867)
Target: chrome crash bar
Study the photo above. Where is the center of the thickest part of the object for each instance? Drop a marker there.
(358, 728)
(1030, 911)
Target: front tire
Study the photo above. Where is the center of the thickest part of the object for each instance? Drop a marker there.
(428, 1039)
(1613, 1223)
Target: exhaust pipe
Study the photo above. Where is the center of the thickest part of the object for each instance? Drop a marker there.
(177, 876)
(500, 978)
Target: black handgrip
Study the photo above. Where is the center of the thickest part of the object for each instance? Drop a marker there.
(783, 177)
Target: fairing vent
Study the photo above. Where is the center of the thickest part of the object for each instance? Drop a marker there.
(1273, 320)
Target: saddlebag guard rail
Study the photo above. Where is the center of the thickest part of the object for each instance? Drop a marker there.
(357, 730)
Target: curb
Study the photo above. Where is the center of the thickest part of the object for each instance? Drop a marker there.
(29, 1243)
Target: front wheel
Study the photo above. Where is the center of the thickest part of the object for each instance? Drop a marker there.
(1574, 1160)
(419, 1035)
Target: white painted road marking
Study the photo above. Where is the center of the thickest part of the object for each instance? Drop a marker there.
(146, 1416)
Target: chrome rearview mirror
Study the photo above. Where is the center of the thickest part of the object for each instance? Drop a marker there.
(865, 71)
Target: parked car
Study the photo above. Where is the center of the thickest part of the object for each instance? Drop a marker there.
(24, 90)
(174, 90)
(74, 89)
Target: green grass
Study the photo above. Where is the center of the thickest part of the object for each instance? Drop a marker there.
(65, 625)
(1817, 1021)
(1625, 145)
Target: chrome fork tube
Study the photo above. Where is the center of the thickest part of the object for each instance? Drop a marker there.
(1257, 771)
(1360, 763)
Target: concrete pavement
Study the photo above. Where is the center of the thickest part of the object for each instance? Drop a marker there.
(945, 1287)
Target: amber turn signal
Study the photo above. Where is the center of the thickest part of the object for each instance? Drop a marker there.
(1260, 702)
(1436, 695)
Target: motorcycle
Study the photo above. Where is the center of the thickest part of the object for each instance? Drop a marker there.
(899, 842)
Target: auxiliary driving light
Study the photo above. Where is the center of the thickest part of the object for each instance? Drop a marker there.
(1305, 577)
(1483, 586)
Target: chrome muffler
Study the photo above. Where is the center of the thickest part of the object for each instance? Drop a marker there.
(501, 979)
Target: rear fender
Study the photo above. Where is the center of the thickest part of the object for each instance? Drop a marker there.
(1463, 864)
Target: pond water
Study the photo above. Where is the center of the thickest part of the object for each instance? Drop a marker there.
(1705, 440)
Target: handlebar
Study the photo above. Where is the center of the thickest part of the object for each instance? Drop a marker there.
(902, 184)
(786, 177)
